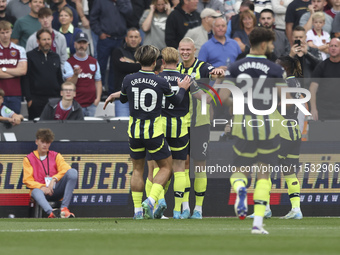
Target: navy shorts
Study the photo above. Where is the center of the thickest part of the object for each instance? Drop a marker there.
(247, 153)
(157, 147)
(199, 142)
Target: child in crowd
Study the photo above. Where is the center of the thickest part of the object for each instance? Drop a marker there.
(316, 37)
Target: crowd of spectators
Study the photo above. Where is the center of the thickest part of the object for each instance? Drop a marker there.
(45, 35)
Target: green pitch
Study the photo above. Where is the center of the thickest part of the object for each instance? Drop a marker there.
(84, 236)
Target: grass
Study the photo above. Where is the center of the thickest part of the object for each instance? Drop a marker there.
(97, 236)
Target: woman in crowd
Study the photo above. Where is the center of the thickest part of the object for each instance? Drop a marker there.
(67, 29)
(247, 24)
(153, 23)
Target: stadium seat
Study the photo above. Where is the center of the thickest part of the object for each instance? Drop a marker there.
(92, 118)
(108, 112)
(38, 211)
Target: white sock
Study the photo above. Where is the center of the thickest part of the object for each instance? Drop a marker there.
(268, 207)
(198, 208)
(152, 201)
(185, 206)
(139, 209)
(258, 221)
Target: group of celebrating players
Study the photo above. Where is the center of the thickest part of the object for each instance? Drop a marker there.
(165, 119)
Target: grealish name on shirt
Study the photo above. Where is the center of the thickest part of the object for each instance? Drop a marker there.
(254, 65)
(143, 80)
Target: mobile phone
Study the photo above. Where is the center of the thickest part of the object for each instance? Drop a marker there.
(298, 42)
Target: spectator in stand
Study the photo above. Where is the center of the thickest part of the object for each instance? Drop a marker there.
(44, 77)
(247, 24)
(49, 177)
(234, 22)
(13, 65)
(81, 14)
(335, 9)
(58, 40)
(18, 8)
(138, 7)
(84, 71)
(279, 9)
(60, 4)
(259, 5)
(336, 26)
(68, 30)
(203, 33)
(220, 50)
(180, 20)
(293, 14)
(229, 8)
(325, 90)
(6, 114)
(65, 108)
(104, 14)
(316, 37)
(281, 44)
(216, 5)
(316, 6)
(309, 57)
(153, 23)
(124, 63)
(4, 15)
(27, 25)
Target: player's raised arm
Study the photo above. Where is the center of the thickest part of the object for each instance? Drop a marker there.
(111, 98)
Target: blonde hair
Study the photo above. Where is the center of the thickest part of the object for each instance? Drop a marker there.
(187, 40)
(5, 25)
(318, 15)
(67, 10)
(68, 83)
(170, 55)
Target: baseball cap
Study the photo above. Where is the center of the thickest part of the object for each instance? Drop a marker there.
(81, 37)
(210, 12)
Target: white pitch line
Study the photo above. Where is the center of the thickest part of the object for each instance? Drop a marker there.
(40, 230)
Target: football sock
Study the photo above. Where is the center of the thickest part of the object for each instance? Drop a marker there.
(270, 187)
(179, 187)
(154, 193)
(166, 187)
(293, 190)
(187, 191)
(137, 199)
(155, 171)
(261, 196)
(200, 186)
(238, 180)
(148, 186)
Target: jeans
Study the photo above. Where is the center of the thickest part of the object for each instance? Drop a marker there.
(89, 111)
(104, 51)
(13, 103)
(63, 189)
(94, 42)
(121, 110)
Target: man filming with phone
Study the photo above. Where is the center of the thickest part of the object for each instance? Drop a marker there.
(308, 57)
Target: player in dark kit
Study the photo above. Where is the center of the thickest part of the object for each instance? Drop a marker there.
(144, 91)
(291, 138)
(257, 138)
(175, 127)
(199, 126)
